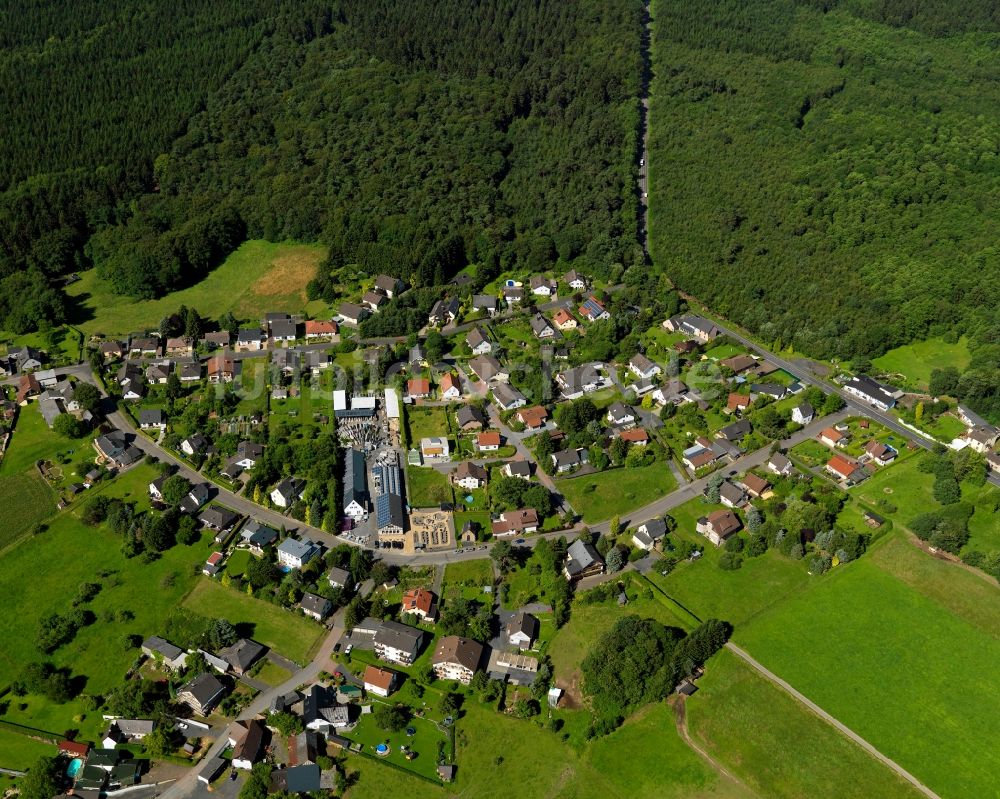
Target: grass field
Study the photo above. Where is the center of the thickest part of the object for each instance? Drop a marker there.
(289, 634)
(916, 361)
(426, 487)
(26, 500)
(905, 670)
(424, 742)
(597, 497)
(466, 579)
(426, 422)
(776, 746)
(20, 752)
(259, 277)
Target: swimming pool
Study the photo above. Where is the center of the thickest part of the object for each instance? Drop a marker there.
(382, 750)
(74, 767)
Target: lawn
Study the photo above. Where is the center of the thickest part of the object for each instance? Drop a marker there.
(911, 673)
(600, 496)
(426, 487)
(260, 276)
(426, 422)
(467, 578)
(238, 562)
(915, 362)
(287, 633)
(19, 751)
(812, 452)
(33, 441)
(776, 746)
(271, 673)
(424, 742)
(26, 500)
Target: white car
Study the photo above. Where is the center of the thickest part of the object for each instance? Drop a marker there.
(348, 649)
(642, 162)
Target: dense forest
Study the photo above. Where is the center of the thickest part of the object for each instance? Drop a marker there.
(412, 137)
(828, 174)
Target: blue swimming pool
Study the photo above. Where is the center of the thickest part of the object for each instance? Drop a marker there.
(74, 767)
(382, 749)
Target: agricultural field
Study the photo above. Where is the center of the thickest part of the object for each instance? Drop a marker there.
(260, 276)
(599, 496)
(915, 362)
(743, 722)
(289, 634)
(911, 673)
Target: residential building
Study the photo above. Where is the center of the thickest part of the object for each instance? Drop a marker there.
(735, 431)
(315, 606)
(719, 525)
(249, 339)
(541, 286)
(451, 388)
(731, 495)
(773, 390)
(832, 437)
(241, 656)
(564, 320)
(295, 554)
(694, 326)
(258, 536)
(582, 560)
(519, 469)
(982, 438)
(470, 417)
(846, 470)
(635, 435)
(421, 603)
(513, 295)
(485, 303)
(352, 313)
(435, 447)
(648, 534)
(738, 363)
(221, 369)
(540, 327)
(522, 630)
(125, 731)
(643, 367)
(143, 347)
(569, 459)
(469, 476)
(398, 643)
(320, 329)
(247, 742)
(379, 681)
(507, 397)
(870, 391)
(478, 341)
(456, 658)
(152, 418)
(388, 285)
(574, 383)
(355, 486)
(593, 310)
(803, 413)
(114, 448)
(516, 522)
(338, 578)
(374, 300)
(488, 369)
(201, 694)
(620, 414)
(179, 346)
(444, 312)
(111, 350)
(488, 441)
(881, 453)
(288, 492)
(575, 280)
(219, 339)
(780, 465)
(162, 651)
(189, 372)
(218, 518)
(737, 403)
(418, 388)
(756, 487)
(533, 418)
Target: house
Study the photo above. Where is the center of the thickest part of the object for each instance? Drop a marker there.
(451, 388)
(469, 476)
(456, 658)
(288, 492)
(772, 390)
(636, 435)
(755, 486)
(246, 457)
(484, 303)
(695, 326)
(418, 357)
(258, 536)
(870, 391)
(220, 339)
(320, 713)
(247, 742)
(780, 465)
(352, 314)
(317, 329)
(568, 459)
(295, 554)
(982, 438)
(648, 534)
(26, 359)
(686, 347)
(478, 341)
(719, 525)
(469, 417)
(418, 388)
(249, 339)
(144, 346)
(582, 560)
(507, 397)
(731, 495)
(803, 413)
(488, 369)
(189, 372)
(540, 326)
(111, 350)
(161, 650)
(398, 643)
(196, 497)
(436, 447)
(541, 286)
(738, 363)
(50, 408)
(355, 486)
(179, 346)
(318, 607)
(388, 285)
(832, 437)
(513, 295)
(737, 403)
(74, 749)
(27, 387)
(593, 311)
(446, 772)
(643, 367)
(516, 522)
(735, 431)
(379, 681)
(699, 455)
(564, 320)
(157, 374)
(420, 602)
(213, 563)
(444, 312)
(221, 369)
(881, 453)
(194, 445)
(218, 518)
(574, 383)
(522, 630)
(285, 361)
(519, 469)
(374, 300)
(201, 694)
(150, 418)
(488, 441)
(114, 448)
(124, 731)
(845, 469)
(241, 656)
(130, 375)
(47, 378)
(969, 417)
(533, 418)
(620, 414)
(575, 280)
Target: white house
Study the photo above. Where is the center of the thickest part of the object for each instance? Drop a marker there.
(643, 367)
(478, 342)
(870, 391)
(295, 554)
(803, 413)
(288, 492)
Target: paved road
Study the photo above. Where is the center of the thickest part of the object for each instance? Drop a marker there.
(840, 726)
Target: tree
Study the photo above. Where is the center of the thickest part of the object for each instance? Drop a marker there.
(614, 526)
(615, 559)
(618, 450)
(544, 446)
(88, 396)
(175, 489)
(502, 555)
(451, 702)
(69, 426)
(754, 519)
(713, 487)
(162, 741)
(391, 718)
(221, 634)
(43, 780)
(285, 723)
(947, 490)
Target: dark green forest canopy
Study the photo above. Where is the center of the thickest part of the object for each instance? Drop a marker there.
(412, 137)
(828, 180)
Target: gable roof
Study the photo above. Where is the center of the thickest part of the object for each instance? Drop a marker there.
(455, 649)
(580, 556)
